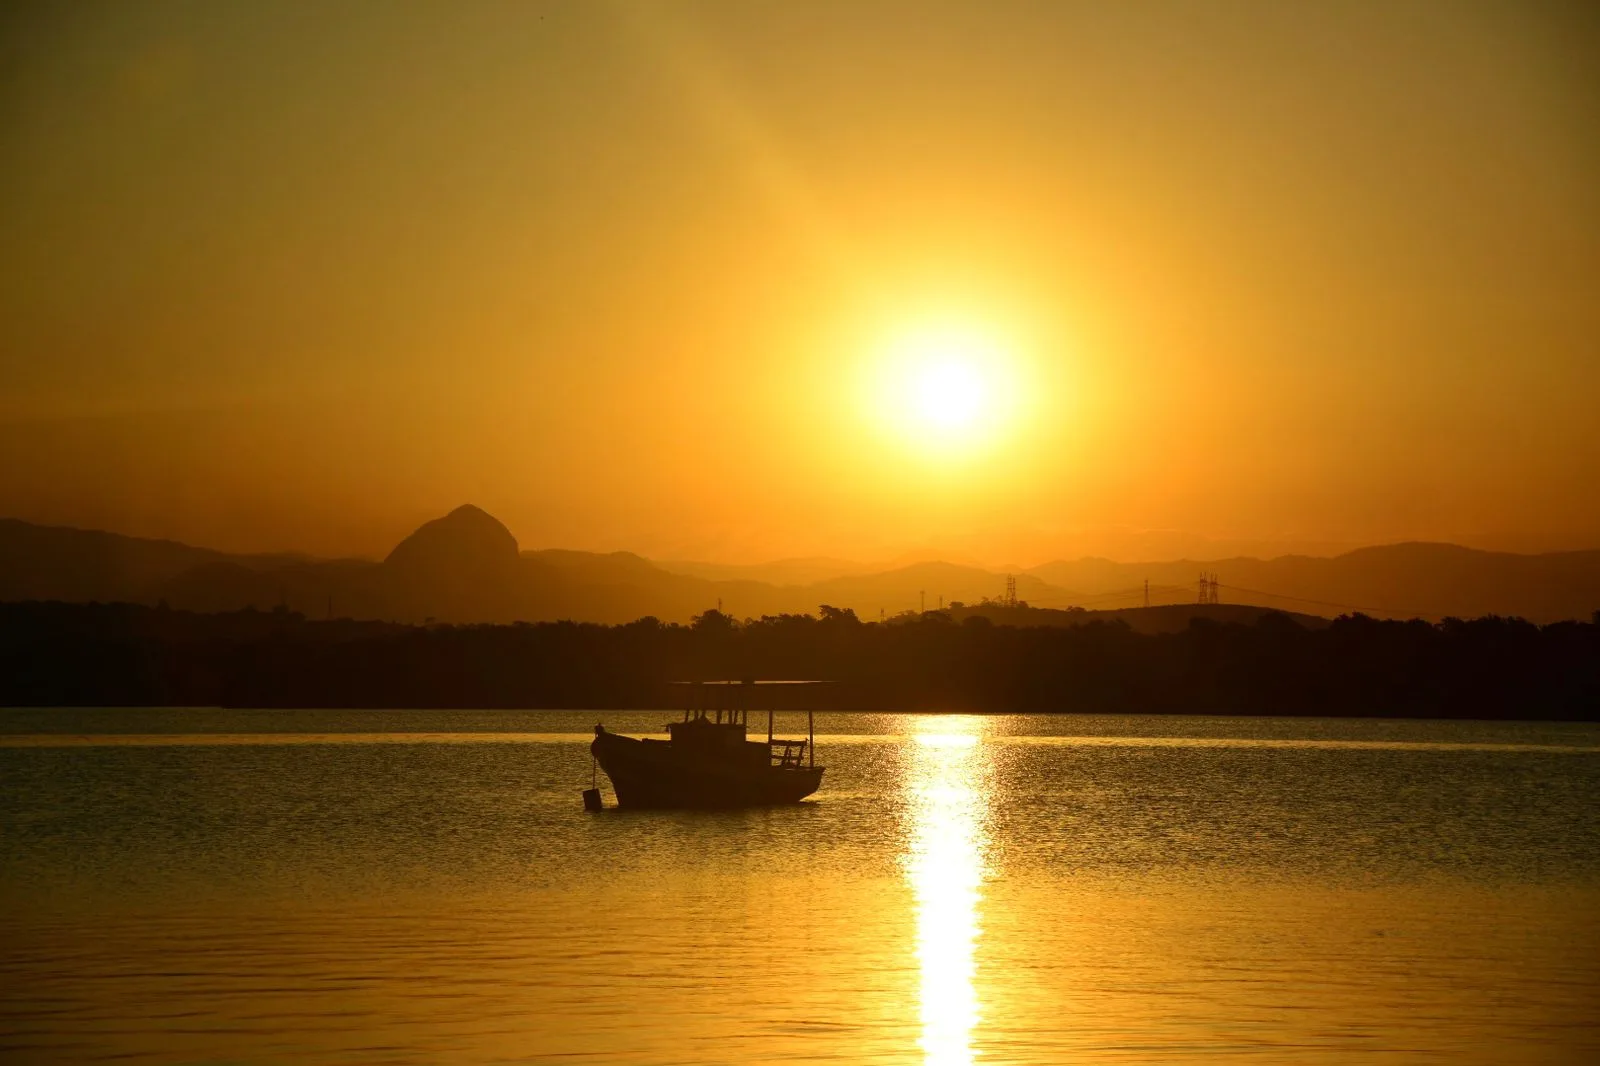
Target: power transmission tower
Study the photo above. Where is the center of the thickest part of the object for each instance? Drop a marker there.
(1011, 590)
(1208, 588)
(1147, 592)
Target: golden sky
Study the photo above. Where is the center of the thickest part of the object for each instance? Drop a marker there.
(742, 280)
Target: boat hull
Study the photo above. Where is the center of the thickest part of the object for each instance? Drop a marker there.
(655, 774)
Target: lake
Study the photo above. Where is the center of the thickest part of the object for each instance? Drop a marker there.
(424, 887)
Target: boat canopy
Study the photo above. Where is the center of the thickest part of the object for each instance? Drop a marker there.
(729, 703)
(752, 682)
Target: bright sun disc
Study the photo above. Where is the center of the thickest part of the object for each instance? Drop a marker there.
(948, 393)
(943, 389)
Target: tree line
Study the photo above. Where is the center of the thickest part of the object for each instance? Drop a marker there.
(60, 654)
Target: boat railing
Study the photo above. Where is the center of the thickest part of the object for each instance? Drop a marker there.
(792, 757)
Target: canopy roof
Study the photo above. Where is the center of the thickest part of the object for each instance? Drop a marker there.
(741, 683)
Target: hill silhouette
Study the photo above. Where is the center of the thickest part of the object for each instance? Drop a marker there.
(1164, 618)
(462, 567)
(464, 543)
(468, 567)
(803, 571)
(908, 585)
(1413, 580)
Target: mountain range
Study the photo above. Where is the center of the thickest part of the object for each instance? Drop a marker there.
(467, 567)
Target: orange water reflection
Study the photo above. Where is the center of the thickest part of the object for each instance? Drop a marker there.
(948, 800)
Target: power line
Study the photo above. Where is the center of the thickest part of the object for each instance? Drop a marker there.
(1128, 594)
(1211, 584)
(1135, 591)
(1118, 600)
(1326, 603)
(1135, 594)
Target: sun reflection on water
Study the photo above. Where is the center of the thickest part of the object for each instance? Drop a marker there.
(948, 802)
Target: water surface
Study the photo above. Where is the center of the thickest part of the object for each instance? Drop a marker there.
(424, 887)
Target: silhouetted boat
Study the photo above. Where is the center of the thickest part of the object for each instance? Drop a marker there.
(708, 760)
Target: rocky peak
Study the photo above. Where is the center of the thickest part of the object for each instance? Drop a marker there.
(466, 538)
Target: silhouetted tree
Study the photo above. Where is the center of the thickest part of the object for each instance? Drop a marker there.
(712, 622)
(56, 654)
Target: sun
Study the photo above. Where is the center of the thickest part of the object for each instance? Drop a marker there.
(943, 388)
(948, 391)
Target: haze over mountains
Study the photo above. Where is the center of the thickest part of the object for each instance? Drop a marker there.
(467, 567)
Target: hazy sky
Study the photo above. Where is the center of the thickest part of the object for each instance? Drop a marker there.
(631, 275)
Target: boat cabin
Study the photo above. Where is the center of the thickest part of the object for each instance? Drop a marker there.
(716, 720)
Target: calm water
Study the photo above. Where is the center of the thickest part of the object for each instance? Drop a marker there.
(424, 887)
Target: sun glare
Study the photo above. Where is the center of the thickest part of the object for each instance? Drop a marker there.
(946, 866)
(943, 388)
(948, 393)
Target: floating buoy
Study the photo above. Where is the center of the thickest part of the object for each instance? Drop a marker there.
(591, 800)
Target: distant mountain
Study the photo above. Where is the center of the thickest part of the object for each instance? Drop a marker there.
(462, 567)
(621, 587)
(467, 567)
(1394, 581)
(806, 571)
(53, 562)
(466, 543)
(906, 588)
(58, 562)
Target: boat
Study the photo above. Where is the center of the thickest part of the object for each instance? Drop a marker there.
(708, 760)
